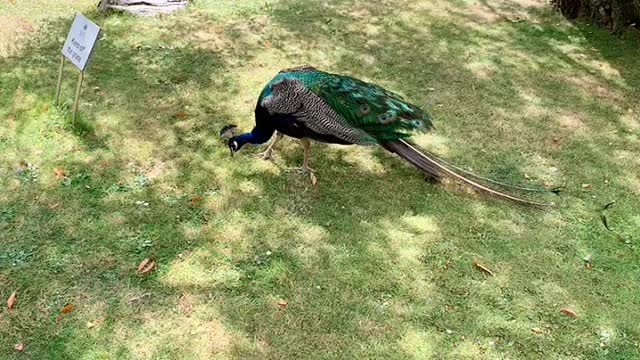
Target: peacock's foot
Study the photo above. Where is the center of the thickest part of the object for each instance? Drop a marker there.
(267, 155)
(312, 174)
(305, 170)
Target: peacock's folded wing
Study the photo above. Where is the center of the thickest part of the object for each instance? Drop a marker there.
(291, 96)
(348, 108)
(376, 111)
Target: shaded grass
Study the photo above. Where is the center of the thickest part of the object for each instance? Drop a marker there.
(375, 263)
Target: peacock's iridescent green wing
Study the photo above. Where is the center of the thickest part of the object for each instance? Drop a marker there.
(290, 93)
(368, 107)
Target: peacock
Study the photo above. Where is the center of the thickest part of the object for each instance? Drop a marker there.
(309, 104)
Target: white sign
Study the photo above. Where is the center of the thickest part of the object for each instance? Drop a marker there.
(80, 41)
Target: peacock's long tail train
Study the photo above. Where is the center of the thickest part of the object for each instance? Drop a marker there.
(435, 169)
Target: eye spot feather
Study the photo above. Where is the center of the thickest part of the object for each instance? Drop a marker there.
(385, 118)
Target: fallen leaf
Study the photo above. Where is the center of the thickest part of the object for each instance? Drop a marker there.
(588, 266)
(195, 199)
(53, 206)
(11, 300)
(314, 179)
(148, 268)
(94, 323)
(143, 263)
(65, 309)
(18, 347)
(605, 222)
(536, 330)
(282, 303)
(586, 186)
(481, 267)
(569, 312)
(185, 304)
(181, 114)
(59, 172)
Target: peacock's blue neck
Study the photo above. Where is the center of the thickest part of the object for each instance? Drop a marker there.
(259, 135)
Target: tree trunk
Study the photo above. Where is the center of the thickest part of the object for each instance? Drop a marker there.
(103, 5)
(144, 7)
(614, 14)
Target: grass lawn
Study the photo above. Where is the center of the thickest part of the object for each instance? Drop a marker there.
(374, 262)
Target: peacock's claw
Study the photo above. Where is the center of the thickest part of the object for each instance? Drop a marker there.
(304, 170)
(266, 155)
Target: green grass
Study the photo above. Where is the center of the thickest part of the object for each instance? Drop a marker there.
(374, 262)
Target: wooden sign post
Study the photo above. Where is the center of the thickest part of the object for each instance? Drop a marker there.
(78, 48)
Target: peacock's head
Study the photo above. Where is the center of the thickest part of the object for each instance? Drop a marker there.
(235, 142)
(234, 145)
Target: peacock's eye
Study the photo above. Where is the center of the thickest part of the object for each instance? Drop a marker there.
(364, 109)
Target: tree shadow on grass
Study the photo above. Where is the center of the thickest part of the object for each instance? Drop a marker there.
(77, 239)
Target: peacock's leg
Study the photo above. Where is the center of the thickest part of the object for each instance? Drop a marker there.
(267, 154)
(306, 145)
